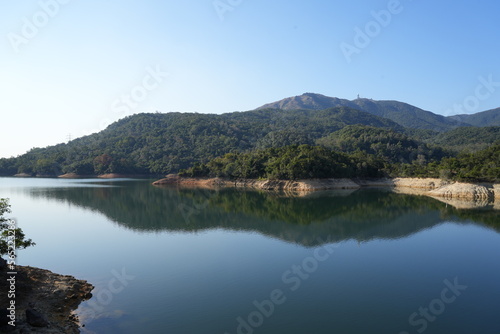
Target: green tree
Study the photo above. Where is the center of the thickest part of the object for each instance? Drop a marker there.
(102, 164)
(7, 231)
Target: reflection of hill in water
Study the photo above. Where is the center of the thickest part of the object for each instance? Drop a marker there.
(362, 215)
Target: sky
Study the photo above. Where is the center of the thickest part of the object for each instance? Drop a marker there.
(69, 68)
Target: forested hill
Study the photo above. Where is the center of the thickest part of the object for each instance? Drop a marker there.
(306, 162)
(164, 143)
(402, 113)
(485, 118)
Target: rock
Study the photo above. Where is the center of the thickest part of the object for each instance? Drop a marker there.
(35, 318)
(42, 302)
(464, 191)
(171, 179)
(496, 190)
(460, 203)
(416, 183)
(3, 264)
(482, 195)
(298, 185)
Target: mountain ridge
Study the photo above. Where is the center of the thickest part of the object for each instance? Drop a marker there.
(400, 112)
(484, 118)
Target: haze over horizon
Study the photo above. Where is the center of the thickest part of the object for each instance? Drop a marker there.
(72, 67)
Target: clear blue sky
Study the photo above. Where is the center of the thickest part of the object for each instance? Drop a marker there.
(72, 74)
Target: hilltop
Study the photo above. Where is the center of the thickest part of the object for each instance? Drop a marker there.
(402, 113)
(485, 118)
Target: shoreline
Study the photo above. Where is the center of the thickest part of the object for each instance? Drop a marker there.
(102, 176)
(464, 195)
(79, 176)
(45, 301)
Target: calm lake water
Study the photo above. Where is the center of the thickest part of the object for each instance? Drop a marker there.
(197, 261)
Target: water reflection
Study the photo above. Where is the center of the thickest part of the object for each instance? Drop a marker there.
(361, 215)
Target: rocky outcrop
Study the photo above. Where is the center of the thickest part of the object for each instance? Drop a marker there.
(44, 301)
(419, 183)
(467, 204)
(466, 191)
(405, 185)
(305, 185)
(481, 194)
(298, 185)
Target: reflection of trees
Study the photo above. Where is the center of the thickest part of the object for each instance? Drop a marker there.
(362, 215)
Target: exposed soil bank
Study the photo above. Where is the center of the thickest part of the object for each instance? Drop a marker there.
(298, 185)
(75, 176)
(44, 301)
(484, 193)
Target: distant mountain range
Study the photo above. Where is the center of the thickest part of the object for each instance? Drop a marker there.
(402, 113)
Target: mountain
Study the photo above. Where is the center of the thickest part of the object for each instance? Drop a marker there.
(158, 144)
(402, 113)
(164, 143)
(485, 118)
(309, 101)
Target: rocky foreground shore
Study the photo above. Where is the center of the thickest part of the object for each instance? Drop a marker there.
(467, 195)
(44, 301)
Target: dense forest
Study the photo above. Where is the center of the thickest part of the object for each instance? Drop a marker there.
(305, 161)
(288, 163)
(389, 145)
(164, 143)
(269, 143)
